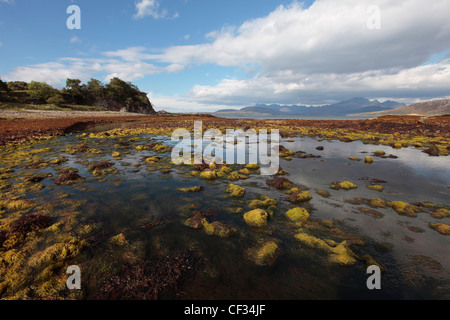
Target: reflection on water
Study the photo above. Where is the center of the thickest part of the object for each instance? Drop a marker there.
(415, 256)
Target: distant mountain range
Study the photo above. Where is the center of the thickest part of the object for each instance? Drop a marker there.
(341, 109)
(429, 108)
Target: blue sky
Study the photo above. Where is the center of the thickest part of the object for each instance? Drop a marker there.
(203, 55)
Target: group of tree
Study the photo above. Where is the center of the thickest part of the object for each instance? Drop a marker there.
(117, 95)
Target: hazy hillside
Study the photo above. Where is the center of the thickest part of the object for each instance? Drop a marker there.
(429, 108)
(355, 105)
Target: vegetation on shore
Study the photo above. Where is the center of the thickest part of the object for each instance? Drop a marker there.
(117, 95)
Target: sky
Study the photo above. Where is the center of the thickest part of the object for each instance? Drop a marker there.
(206, 55)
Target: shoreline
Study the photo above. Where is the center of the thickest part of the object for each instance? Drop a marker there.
(20, 126)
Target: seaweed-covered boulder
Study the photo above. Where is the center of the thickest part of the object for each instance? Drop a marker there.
(266, 254)
(68, 176)
(29, 223)
(256, 218)
(368, 160)
(217, 229)
(280, 183)
(403, 208)
(209, 175)
(345, 185)
(298, 197)
(375, 187)
(377, 203)
(264, 202)
(235, 191)
(192, 189)
(252, 166)
(298, 214)
(338, 253)
(443, 229)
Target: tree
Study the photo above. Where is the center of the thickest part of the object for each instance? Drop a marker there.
(40, 91)
(3, 86)
(95, 91)
(119, 90)
(57, 100)
(75, 91)
(17, 85)
(3, 89)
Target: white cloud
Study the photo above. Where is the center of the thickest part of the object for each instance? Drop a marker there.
(330, 36)
(75, 39)
(298, 88)
(7, 1)
(150, 8)
(55, 73)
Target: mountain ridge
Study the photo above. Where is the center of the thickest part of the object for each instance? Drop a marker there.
(343, 108)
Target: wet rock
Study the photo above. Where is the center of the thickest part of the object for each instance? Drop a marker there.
(252, 166)
(31, 222)
(379, 153)
(280, 183)
(323, 193)
(320, 148)
(375, 187)
(256, 218)
(245, 172)
(368, 160)
(208, 175)
(340, 253)
(264, 202)
(101, 165)
(68, 176)
(432, 151)
(404, 208)
(266, 254)
(298, 214)
(304, 155)
(38, 178)
(298, 197)
(119, 240)
(196, 222)
(192, 189)
(443, 229)
(441, 213)
(284, 152)
(235, 191)
(345, 185)
(377, 203)
(151, 160)
(234, 176)
(217, 229)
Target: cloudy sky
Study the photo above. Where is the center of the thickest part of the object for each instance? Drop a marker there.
(204, 55)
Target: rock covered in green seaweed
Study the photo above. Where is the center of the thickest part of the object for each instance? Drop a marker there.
(339, 253)
(403, 208)
(442, 228)
(298, 214)
(298, 197)
(235, 191)
(265, 254)
(345, 185)
(256, 218)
